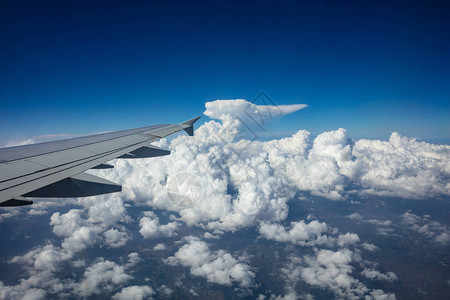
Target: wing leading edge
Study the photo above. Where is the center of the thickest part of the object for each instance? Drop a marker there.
(55, 169)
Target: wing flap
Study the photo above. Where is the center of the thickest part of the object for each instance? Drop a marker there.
(18, 201)
(81, 185)
(146, 152)
(103, 166)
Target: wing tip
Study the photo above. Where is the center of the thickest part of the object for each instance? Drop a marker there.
(191, 122)
(189, 125)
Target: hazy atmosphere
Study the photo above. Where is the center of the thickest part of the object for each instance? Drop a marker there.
(319, 170)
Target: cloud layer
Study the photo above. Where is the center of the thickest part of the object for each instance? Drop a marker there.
(244, 182)
(241, 183)
(217, 267)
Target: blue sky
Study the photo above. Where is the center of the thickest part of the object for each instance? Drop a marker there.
(371, 67)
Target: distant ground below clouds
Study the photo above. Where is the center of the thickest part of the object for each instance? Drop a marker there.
(228, 216)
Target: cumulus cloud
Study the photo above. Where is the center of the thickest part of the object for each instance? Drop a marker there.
(354, 216)
(314, 233)
(332, 270)
(134, 292)
(217, 267)
(95, 223)
(374, 274)
(242, 109)
(347, 239)
(9, 213)
(115, 238)
(104, 274)
(383, 226)
(159, 247)
(403, 167)
(41, 264)
(8, 292)
(245, 182)
(291, 273)
(434, 230)
(150, 227)
(164, 291)
(133, 260)
(300, 233)
(369, 247)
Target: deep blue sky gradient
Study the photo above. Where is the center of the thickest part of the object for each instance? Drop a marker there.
(372, 67)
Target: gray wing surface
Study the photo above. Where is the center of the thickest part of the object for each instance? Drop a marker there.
(55, 169)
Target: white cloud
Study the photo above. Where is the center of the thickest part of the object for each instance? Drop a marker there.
(300, 233)
(9, 213)
(133, 260)
(134, 292)
(83, 228)
(383, 226)
(81, 239)
(379, 222)
(218, 267)
(116, 238)
(159, 247)
(434, 230)
(165, 291)
(347, 239)
(208, 235)
(374, 274)
(41, 265)
(291, 274)
(17, 292)
(64, 225)
(403, 167)
(369, 247)
(331, 270)
(150, 227)
(37, 212)
(307, 234)
(240, 108)
(101, 275)
(246, 182)
(14, 143)
(354, 216)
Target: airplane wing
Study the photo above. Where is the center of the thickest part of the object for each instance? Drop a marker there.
(55, 169)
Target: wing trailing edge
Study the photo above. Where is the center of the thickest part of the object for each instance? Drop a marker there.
(18, 201)
(81, 185)
(146, 152)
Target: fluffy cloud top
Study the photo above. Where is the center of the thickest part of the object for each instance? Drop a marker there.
(218, 267)
(434, 230)
(314, 233)
(247, 182)
(43, 263)
(300, 233)
(150, 227)
(134, 292)
(242, 109)
(332, 270)
(375, 274)
(243, 183)
(403, 167)
(104, 273)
